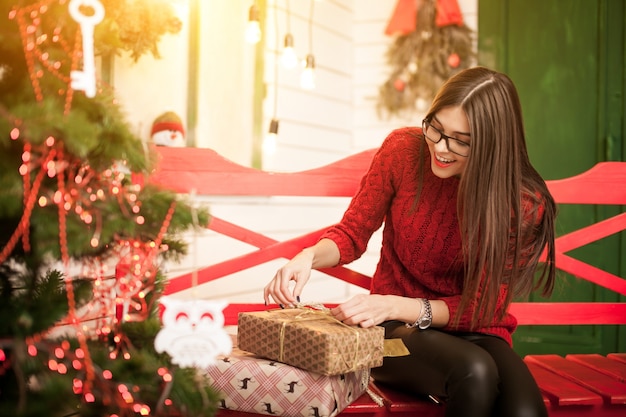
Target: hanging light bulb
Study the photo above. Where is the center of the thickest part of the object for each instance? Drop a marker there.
(253, 28)
(289, 58)
(273, 130)
(269, 143)
(307, 79)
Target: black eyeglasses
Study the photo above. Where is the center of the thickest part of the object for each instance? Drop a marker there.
(456, 146)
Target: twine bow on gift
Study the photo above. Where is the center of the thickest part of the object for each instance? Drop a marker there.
(311, 312)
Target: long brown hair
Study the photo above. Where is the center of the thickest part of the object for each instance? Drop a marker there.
(498, 191)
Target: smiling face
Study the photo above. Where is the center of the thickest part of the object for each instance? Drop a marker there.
(451, 121)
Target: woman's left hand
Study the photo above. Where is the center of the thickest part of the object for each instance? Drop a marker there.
(365, 310)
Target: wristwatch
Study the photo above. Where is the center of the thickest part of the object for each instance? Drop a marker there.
(425, 318)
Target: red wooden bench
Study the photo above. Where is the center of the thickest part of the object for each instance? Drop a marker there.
(573, 386)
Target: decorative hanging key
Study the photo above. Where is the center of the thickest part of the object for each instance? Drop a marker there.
(85, 80)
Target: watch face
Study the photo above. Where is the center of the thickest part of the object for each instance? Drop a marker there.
(424, 323)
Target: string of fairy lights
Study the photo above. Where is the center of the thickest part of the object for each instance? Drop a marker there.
(286, 58)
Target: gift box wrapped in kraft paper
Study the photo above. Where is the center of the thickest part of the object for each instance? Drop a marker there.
(310, 339)
(249, 383)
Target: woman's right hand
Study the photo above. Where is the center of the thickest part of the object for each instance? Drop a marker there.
(298, 270)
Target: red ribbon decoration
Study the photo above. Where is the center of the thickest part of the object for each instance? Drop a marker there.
(448, 13)
(404, 17)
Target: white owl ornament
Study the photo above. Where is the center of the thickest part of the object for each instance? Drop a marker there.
(193, 332)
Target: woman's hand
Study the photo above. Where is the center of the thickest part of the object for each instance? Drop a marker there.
(365, 310)
(298, 270)
(321, 255)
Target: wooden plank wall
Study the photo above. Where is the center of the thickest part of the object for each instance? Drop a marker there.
(339, 116)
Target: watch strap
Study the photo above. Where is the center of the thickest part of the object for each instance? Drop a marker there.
(425, 317)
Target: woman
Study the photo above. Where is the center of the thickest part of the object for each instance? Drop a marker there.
(466, 220)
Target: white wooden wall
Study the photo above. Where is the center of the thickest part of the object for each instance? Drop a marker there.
(339, 117)
(334, 120)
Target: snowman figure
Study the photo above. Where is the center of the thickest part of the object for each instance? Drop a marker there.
(168, 130)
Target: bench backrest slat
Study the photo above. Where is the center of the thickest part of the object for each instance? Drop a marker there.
(604, 183)
(207, 173)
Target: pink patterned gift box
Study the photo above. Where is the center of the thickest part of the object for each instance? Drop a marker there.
(254, 384)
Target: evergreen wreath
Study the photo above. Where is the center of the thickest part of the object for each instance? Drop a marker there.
(432, 44)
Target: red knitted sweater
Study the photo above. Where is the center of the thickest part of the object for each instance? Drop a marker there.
(421, 245)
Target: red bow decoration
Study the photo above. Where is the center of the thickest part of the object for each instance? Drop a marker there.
(448, 13)
(404, 17)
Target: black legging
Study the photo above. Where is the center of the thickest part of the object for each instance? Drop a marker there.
(475, 375)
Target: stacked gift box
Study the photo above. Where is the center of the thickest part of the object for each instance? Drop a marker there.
(296, 362)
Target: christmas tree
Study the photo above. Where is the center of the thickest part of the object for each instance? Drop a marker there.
(80, 240)
(432, 43)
